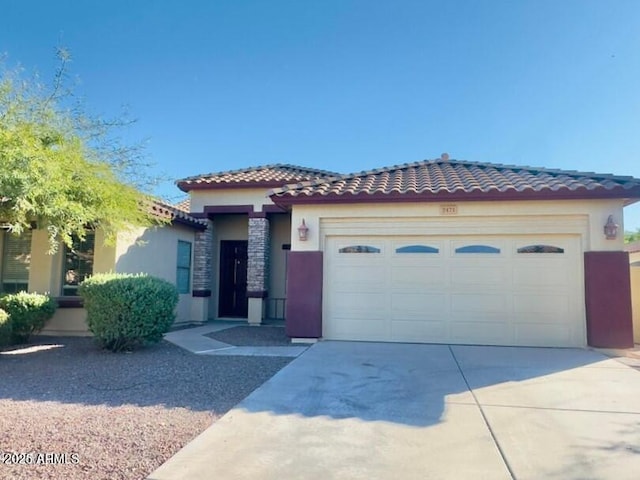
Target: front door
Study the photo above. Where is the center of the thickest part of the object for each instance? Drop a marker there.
(232, 301)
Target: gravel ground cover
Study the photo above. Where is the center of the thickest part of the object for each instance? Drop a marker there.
(114, 416)
(247, 336)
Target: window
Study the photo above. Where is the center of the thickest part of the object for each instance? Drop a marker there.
(477, 249)
(417, 249)
(359, 249)
(78, 263)
(540, 249)
(183, 271)
(16, 258)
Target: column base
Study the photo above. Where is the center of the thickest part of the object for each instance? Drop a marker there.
(256, 307)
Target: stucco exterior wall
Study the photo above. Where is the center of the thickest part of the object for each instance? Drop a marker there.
(233, 196)
(154, 251)
(584, 217)
(280, 236)
(70, 322)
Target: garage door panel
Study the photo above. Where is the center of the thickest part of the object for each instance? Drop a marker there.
(365, 329)
(360, 275)
(489, 276)
(421, 305)
(478, 303)
(411, 331)
(541, 275)
(491, 333)
(417, 278)
(547, 335)
(360, 305)
(541, 304)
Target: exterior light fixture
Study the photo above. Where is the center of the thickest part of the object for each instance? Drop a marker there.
(303, 231)
(611, 229)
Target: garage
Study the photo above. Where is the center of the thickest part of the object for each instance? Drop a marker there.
(458, 252)
(502, 290)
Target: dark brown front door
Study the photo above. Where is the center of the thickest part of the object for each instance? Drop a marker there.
(232, 301)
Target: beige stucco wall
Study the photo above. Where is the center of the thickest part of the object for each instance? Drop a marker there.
(280, 235)
(240, 196)
(584, 217)
(154, 251)
(45, 273)
(68, 322)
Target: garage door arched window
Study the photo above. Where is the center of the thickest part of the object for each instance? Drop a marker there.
(417, 249)
(540, 249)
(477, 249)
(359, 249)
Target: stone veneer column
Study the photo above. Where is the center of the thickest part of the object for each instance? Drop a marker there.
(257, 266)
(202, 257)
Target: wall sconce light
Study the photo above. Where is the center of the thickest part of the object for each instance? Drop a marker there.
(611, 229)
(303, 231)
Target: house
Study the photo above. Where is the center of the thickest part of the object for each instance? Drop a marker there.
(634, 266)
(165, 252)
(441, 251)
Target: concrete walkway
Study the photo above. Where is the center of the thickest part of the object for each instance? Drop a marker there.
(346, 410)
(195, 341)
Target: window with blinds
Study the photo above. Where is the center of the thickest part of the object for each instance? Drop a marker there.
(78, 263)
(16, 259)
(183, 271)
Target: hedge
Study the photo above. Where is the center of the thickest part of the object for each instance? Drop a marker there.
(28, 313)
(126, 311)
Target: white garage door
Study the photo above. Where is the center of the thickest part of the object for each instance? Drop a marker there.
(512, 290)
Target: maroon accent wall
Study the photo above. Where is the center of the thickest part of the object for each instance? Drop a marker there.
(608, 299)
(257, 214)
(304, 295)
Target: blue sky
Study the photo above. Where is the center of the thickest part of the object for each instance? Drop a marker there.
(352, 85)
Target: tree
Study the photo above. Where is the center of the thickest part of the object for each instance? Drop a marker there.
(62, 169)
(632, 236)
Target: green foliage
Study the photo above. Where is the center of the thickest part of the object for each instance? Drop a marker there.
(28, 313)
(126, 311)
(62, 169)
(632, 236)
(5, 329)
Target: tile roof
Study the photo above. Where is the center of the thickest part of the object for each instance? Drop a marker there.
(176, 215)
(444, 178)
(261, 176)
(184, 205)
(632, 247)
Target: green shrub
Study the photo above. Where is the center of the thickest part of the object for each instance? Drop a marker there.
(28, 313)
(5, 329)
(125, 311)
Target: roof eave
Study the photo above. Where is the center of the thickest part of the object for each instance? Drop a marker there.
(630, 195)
(187, 187)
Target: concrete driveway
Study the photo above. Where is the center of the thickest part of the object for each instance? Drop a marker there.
(346, 410)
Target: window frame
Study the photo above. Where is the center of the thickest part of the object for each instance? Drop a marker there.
(68, 289)
(21, 286)
(183, 268)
